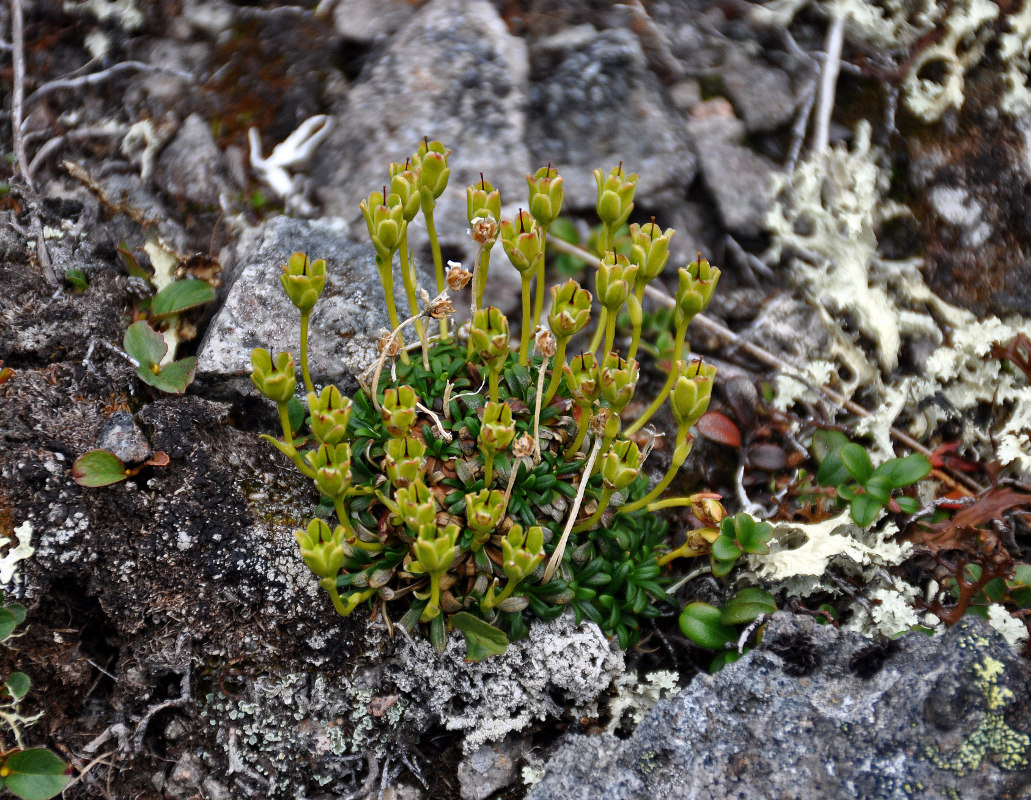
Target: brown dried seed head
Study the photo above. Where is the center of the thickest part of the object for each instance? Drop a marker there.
(523, 446)
(440, 306)
(458, 278)
(484, 231)
(545, 341)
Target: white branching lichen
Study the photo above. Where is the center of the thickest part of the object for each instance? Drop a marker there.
(15, 553)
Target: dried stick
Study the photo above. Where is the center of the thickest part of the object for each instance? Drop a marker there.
(828, 82)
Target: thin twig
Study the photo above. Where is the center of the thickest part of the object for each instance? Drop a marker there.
(53, 145)
(18, 90)
(762, 355)
(828, 82)
(99, 77)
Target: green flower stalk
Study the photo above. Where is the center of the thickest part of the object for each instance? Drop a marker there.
(434, 551)
(619, 467)
(523, 240)
(697, 282)
(570, 313)
(405, 184)
(520, 554)
(582, 379)
(688, 401)
(613, 283)
(330, 414)
(323, 551)
(404, 461)
(398, 410)
(331, 468)
(430, 163)
(618, 382)
(277, 381)
(303, 282)
(384, 217)
(650, 252)
(483, 204)
(489, 337)
(484, 511)
(546, 196)
(496, 434)
(615, 202)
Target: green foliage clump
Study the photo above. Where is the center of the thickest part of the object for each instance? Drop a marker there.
(481, 483)
(29, 773)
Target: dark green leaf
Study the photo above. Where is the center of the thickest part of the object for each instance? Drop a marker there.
(77, 278)
(722, 568)
(98, 468)
(865, 509)
(18, 684)
(827, 442)
(747, 605)
(701, 623)
(172, 378)
(909, 470)
(908, 505)
(481, 639)
(180, 296)
(856, 461)
(724, 658)
(724, 549)
(35, 774)
(438, 633)
(832, 471)
(18, 610)
(296, 413)
(879, 487)
(144, 344)
(7, 623)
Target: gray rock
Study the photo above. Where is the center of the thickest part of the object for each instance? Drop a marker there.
(760, 92)
(368, 20)
(123, 437)
(185, 778)
(455, 74)
(737, 178)
(820, 713)
(592, 97)
(257, 313)
(191, 169)
(489, 768)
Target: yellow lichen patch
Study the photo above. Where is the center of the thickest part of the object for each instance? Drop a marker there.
(993, 736)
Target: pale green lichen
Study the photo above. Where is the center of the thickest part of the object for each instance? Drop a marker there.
(993, 737)
(14, 554)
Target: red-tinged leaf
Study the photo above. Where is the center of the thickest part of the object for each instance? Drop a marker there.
(98, 468)
(944, 457)
(159, 459)
(719, 428)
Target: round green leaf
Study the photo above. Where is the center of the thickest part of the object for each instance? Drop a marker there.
(747, 605)
(7, 623)
(98, 468)
(35, 774)
(879, 487)
(179, 296)
(700, 622)
(909, 470)
(144, 344)
(18, 610)
(856, 461)
(724, 658)
(826, 442)
(832, 470)
(865, 509)
(172, 378)
(721, 568)
(724, 549)
(908, 505)
(18, 684)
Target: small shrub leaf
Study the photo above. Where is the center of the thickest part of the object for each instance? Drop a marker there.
(864, 509)
(879, 487)
(856, 461)
(7, 623)
(481, 638)
(701, 623)
(172, 378)
(180, 296)
(98, 468)
(18, 684)
(144, 344)
(832, 471)
(909, 470)
(747, 605)
(35, 774)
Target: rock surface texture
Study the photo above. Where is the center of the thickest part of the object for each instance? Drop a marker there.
(814, 713)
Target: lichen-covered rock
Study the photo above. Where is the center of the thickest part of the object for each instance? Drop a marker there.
(818, 713)
(345, 325)
(592, 96)
(452, 73)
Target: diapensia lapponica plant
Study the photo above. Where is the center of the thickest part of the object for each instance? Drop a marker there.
(475, 481)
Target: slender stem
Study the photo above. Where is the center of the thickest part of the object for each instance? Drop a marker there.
(591, 521)
(288, 438)
(488, 468)
(828, 82)
(438, 261)
(538, 300)
(610, 332)
(341, 510)
(432, 609)
(556, 370)
(556, 556)
(581, 433)
(492, 378)
(408, 277)
(599, 331)
(537, 410)
(636, 320)
(673, 502)
(684, 551)
(476, 295)
(305, 374)
(679, 456)
(490, 601)
(663, 393)
(524, 336)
